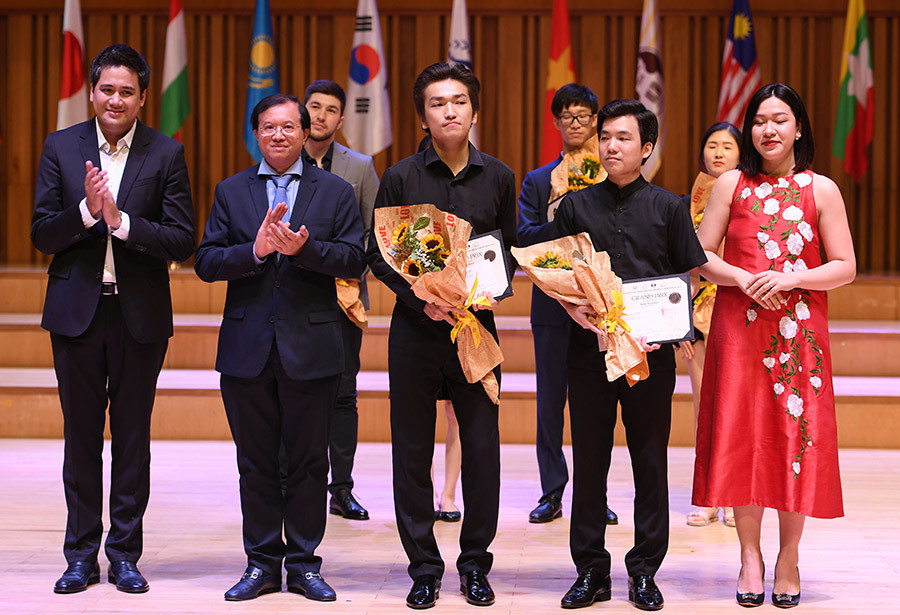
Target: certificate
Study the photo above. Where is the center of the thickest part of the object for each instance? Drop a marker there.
(660, 308)
(485, 262)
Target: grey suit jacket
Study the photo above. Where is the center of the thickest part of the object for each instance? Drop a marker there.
(358, 170)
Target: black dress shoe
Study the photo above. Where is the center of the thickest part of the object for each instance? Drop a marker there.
(474, 584)
(644, 594)
(549, 508)
(590, 587)
(750, 599)
(449, 516)
(785, 601)
(344, 504)
(311, 585)
(254, 583)
(611, 517)
(127, 577)
(77, 577)
(424, 593)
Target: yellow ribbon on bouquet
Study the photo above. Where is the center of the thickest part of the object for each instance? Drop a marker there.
(614, 316)
(468, 319)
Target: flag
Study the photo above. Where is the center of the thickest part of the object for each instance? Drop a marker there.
(740, 70)
(460, 49)
(262, 79)
(649, 80)
(855, 122)
(367, 119)
(560, 71)
(73, 100)
(176, 101)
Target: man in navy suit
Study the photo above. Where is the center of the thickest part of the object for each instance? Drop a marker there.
(280, 347)
(575, 108)
(112, 205)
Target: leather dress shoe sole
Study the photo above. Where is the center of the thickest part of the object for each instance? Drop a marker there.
(62, 585)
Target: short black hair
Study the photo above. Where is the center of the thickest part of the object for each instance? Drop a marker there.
(279, 99)
(441, 71)
(326, 86)
(121, 55)
(573, 94)
(804, 147)
(648, 125)
(730, 128)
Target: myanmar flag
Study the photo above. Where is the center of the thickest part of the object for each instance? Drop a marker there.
(176, 102)
(856, 111)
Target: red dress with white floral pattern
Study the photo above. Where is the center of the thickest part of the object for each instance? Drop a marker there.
(766, 433)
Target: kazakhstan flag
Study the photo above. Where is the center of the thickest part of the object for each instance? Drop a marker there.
(262, 79)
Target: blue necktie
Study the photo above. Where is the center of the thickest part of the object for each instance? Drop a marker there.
(281, 195)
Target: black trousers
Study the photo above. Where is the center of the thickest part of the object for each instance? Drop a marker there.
(345, 417)
(647, 417)
(421, 360)
(103, 367)
(551, 344)
(264, 412)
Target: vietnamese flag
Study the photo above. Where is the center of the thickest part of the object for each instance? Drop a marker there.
(855, 122)
(72, 90)
(560, 71)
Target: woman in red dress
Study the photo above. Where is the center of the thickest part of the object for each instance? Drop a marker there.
(766, 436)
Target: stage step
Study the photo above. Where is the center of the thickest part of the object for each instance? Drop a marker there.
(22, 291)
(859, 348)
(189, 406)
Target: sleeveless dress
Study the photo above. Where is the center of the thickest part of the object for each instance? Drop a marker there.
(766, 433)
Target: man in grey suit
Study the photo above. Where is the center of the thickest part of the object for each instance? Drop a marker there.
(325, 102)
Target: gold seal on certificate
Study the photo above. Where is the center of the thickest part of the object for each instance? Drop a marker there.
(659, 308)
(484, 254)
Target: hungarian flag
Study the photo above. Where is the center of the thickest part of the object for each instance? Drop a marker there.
(560, 71)
(649, 81)
(856, 110)
(367, 119)
(460, 49)
(176, 102)
(740, 69)
(72, 90)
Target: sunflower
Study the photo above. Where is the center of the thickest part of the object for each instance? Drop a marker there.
(400, 234)
(551, 260)
(432, 242)
(443, 254)
(413, 267)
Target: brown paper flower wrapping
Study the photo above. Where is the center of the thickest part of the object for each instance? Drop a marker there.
(703, 304)
(349, 302)
(590, 282)
(559, 176)
(478, 351)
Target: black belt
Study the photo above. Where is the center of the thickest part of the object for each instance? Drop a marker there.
(108, 288)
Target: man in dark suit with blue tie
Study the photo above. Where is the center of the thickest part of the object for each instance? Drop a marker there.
(112, 205)
(280, 348)
(574, 108)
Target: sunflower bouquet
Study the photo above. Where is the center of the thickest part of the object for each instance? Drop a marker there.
(578, 169)
(588, 280)
(427, 247)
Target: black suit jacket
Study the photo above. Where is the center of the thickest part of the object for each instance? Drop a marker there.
(290, 299)
(155, 192)
(534, 228)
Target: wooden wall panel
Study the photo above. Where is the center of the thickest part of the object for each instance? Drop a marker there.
(511, 41)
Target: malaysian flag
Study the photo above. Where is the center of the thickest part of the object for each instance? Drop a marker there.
(740, 70)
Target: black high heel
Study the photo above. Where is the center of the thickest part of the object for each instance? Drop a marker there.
(751, 599)
(786, 601)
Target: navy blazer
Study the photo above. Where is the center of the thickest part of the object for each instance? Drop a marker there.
(534, 228)
(155, 192)
(289, 299)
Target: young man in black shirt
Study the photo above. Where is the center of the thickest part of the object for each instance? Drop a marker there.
(646, 232)
(457, 178)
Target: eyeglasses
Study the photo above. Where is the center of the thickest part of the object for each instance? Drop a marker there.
(567, 120)
(269, 131)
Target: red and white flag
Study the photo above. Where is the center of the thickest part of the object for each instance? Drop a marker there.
(72, 90)
(176, 101)
(740, 69)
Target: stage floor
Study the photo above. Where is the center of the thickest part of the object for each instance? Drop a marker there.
(193, 552)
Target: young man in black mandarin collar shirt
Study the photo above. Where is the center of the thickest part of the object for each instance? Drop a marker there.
(646, 233)
(456, 178)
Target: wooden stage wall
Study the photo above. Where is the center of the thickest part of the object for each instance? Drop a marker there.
(798, 42)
